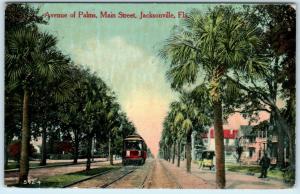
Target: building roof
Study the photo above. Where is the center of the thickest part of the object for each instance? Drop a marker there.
(228, 133)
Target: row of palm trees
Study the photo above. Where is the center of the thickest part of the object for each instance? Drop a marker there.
(223, 52)
(53, 94)
(184, 117)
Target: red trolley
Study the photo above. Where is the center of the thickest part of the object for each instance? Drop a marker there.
(134, 150)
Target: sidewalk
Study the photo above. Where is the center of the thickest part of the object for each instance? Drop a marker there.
(34, 164)
(187, 180)
(12, 177)
(233, 180)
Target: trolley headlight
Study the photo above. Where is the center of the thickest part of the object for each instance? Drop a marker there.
(127, 153)
(139, 153)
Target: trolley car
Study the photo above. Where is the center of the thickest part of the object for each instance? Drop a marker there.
(134, 150)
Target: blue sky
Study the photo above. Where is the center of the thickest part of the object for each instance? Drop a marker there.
(123, 52)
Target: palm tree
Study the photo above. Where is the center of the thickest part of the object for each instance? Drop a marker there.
(205, 49)
(46, 107)
(176, 130)
(71, 112)
(31, 57)
(90, 111)
(95, 91)
(168, 124)
(189, 117)
(167, 142)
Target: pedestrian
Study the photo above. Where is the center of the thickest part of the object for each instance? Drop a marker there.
(265, 164)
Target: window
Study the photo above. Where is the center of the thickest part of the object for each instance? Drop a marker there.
(133, 145)
(251, 152)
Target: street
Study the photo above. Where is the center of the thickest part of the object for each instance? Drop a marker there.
(154, 174)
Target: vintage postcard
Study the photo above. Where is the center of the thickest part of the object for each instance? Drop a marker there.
(150, 95)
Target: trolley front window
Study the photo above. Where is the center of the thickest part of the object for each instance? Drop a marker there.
(133, 145)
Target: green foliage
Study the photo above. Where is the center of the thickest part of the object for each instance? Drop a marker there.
(183, 117)
(70, 102)
(212, 44)
(19, 15)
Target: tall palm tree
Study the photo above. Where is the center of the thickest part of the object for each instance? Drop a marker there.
(31, 57)
(177, 133)
(95, 93)
(205, 49)
(111, 119)
(189, 117)
(168, 124)
(46, 107)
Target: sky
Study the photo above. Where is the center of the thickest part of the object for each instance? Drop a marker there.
(124, 53)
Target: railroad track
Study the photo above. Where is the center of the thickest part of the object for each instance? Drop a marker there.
(86, 179)
(148, 178)
(126, 171)
(105, 185)
(170, 176)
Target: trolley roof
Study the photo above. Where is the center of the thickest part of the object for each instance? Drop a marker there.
(134, 137)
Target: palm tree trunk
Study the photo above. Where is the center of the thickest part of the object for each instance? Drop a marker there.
(24, 159)
(219, 144)
(188, 151)
(5, 151)
(169, 153)
(280, 157)
(166, 153)
(76, 147)
(89, 149)
(178, 153)
(5, 157)
(174, 150)
(93, 148)
(44, 147)
(110, 155)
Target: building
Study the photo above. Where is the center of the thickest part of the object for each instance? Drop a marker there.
(255, 142)
(230, 136)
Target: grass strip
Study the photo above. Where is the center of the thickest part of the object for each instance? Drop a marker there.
(60, 181)
(274, 173)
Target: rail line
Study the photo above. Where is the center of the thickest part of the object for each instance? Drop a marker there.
(105, 185)
(91, 177)
(148, 178)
